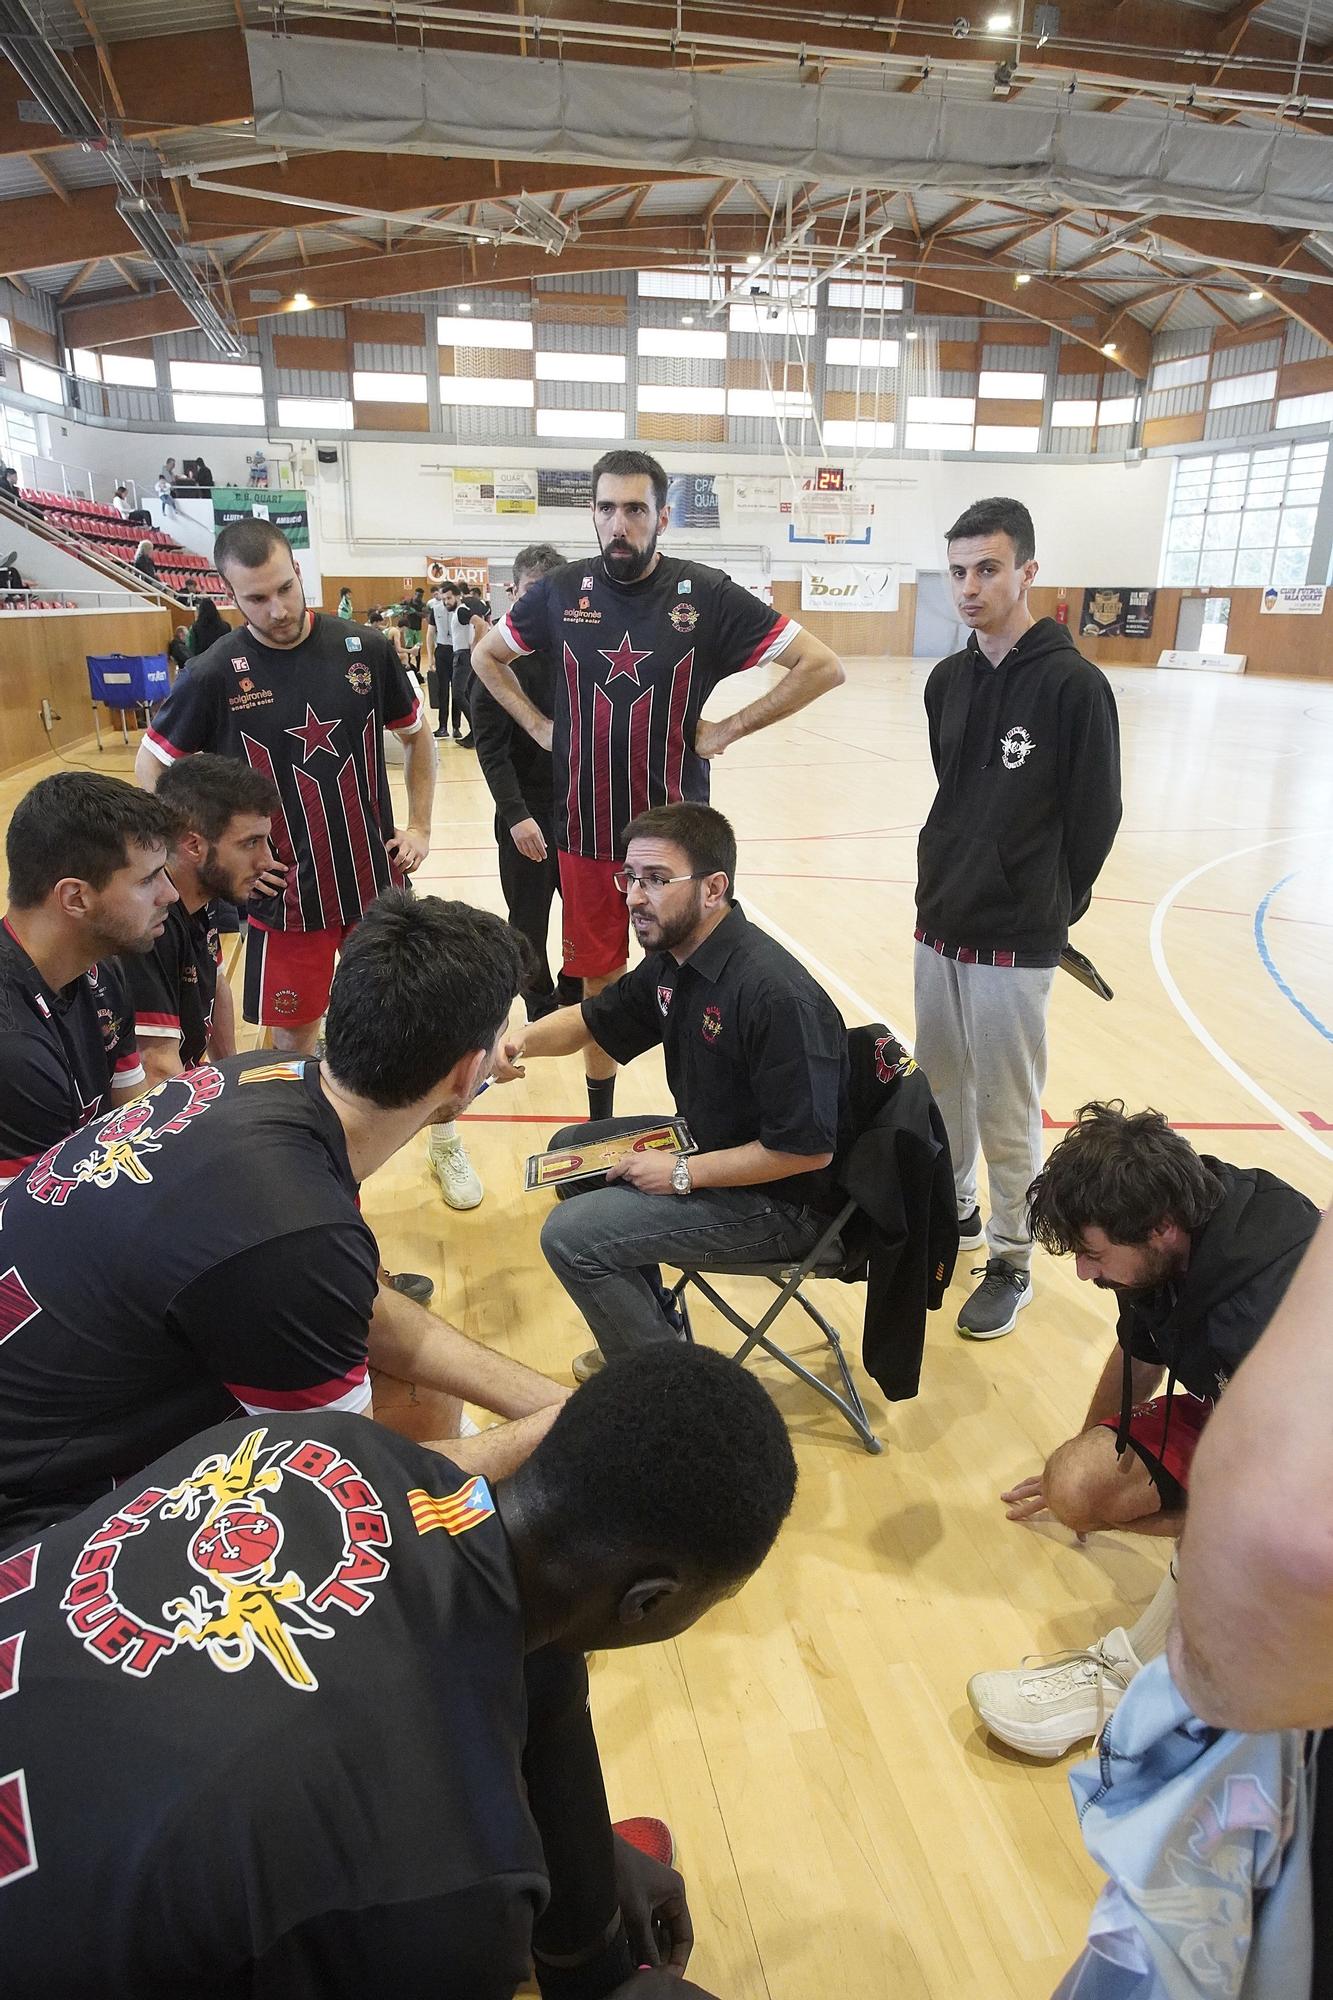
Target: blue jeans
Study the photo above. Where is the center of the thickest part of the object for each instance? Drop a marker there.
(603, 1242)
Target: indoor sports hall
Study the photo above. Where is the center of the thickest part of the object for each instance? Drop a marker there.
(394, 279)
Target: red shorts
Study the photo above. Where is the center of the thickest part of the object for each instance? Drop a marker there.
(1168, 1460)
(596, 917)
(288, 974)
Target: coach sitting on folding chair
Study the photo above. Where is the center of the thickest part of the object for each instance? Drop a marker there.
(756, 1057)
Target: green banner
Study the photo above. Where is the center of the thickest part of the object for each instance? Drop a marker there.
(243, 503)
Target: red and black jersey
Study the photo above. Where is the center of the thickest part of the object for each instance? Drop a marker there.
(263, 1727)
(61, 1051)
(173, 987)
(311, 719)
(635, 663)
(197, 1249)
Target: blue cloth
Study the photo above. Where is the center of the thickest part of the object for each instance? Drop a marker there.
(1205, 1834)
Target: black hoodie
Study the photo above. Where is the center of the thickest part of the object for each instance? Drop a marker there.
(1028, 760)
(1202, 1325)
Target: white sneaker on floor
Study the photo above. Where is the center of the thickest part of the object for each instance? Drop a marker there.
(1045, 1709)
(458, 1179)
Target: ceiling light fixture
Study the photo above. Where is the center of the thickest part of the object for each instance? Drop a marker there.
(1109, 347)
(1255, 295)
(1023, 277)
(911, 334)
(687, 319)
(999, 24)
(465, 305)
(752, 259)
(300, 302)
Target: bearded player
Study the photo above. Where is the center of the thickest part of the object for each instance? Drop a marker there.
(641, 640)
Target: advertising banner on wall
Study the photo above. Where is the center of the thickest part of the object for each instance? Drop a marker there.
(474, 571)
(692, 500)
(1118, 614)
(848, 587)
(757, 496)
(515, 492)
(1302, 600)
(474, 489)
(287, 511)
(564, 487)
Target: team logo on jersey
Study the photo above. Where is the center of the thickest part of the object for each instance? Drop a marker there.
(684, 587)
(121, 1144)
(240, 663)
(313, 734)
(359, 678)
(586, 583)
(683, 617)
(664, 997)
(1016, 746)
(711, 1024)
(286, 1000)
(223, 1520)
(890, 1066)
(582, 613)
(352, 645)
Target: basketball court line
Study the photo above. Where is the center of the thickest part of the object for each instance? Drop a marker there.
(1266, 958)
(1248, 1084)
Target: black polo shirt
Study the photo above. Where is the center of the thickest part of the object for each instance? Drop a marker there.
(754, 1047)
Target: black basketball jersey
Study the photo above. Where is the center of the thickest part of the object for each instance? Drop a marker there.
(275, 1679)
(312, 720)
(635, 663)
(198, 1249)
(174, 986)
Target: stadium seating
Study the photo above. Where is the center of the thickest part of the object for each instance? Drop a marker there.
(94, 526)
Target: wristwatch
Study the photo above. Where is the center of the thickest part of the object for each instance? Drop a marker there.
(680, 1178)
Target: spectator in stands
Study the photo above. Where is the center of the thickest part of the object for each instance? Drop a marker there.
(257, 467)
(143, 560)
(178, 647)
(209, 626)
(345, 603)
(164, 486)
(203, 475)
(10, 578)
(120, 500)
(87, 879)
(9, 490)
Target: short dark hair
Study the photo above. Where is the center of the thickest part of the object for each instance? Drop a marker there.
(421, 983)
(723, 1475)
(204, 794)
(248, 544)
(1126, 1173)
(537, 559)
(632, 465)
(997, 516)
(80, 825)
(701, 832)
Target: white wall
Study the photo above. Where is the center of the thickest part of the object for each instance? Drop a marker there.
(385, 505)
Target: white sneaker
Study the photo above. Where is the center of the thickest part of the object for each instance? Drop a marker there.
(1044, 1710)
(458, 1179)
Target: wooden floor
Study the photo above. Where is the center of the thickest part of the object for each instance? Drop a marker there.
(845, 1829)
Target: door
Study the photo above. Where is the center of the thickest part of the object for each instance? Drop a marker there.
(939, 631)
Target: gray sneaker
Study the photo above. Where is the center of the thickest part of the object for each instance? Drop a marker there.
(994, 1306)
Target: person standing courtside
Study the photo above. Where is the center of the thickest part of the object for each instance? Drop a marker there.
(1025, 742)
(518, 773)
(644, 639)
(471, 617)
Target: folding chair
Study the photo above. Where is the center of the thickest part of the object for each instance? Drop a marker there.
(835, 1255)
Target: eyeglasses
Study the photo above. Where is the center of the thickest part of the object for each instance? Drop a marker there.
(652, 883)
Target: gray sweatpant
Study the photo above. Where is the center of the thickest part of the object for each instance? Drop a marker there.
(981, 1039)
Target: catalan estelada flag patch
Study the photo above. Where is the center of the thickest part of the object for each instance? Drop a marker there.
(455, 1512)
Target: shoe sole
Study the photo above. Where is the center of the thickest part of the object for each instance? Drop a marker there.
(995, 1332)
(461, 1206)
(972, 1242)
(1042, 1749)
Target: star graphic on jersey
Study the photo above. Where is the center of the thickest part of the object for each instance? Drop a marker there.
(314, 735)
(624, 660)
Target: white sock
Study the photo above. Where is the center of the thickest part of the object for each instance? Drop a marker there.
(443, 1135)
(1148, 1635)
